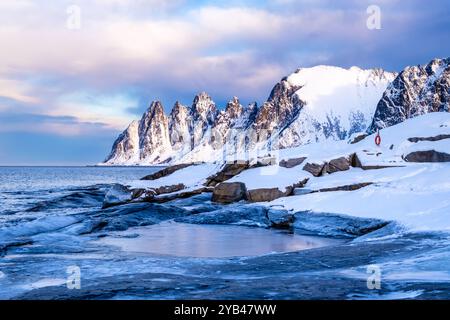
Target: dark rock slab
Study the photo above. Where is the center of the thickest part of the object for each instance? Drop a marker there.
(435, 138)
(359, 138)
(349, 187)
(228, 171)
(291, 163)
(166, 171)
(228, 192)
(122, 217)
(428, 156)
(169, 189)
(280, 218)
(336, 165)
(266, 194)
(314, 168)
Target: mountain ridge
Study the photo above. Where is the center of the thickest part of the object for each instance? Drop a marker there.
(309, 105)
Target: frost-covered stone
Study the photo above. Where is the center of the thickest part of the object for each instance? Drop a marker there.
(266, 194)
(339, 164)
(280, 218)
(314, 168)
(117, 194)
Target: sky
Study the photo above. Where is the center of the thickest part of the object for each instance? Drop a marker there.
(75, 73)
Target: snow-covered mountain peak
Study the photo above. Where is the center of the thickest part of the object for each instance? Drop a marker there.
(155, 107)
(416, 90)
(234, 109)
(203, 108)
(179, 113)
(324, 77)
(437, 66)
(335, 102)
(307, 106)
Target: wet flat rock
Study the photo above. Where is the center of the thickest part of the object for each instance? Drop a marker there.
(166, 171)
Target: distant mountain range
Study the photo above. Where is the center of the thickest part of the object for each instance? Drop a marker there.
(310, 105)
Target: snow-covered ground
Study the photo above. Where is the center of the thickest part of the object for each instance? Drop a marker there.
(417, 196)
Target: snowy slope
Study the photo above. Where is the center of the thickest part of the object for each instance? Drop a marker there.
(418, 197)
(337, 103)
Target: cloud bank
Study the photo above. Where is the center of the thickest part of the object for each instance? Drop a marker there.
(126, 53)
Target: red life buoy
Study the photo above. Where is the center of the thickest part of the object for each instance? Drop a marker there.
(377, 139)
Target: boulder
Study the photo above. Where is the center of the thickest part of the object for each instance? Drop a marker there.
(266, 194)
(166, 171)
(427, 156)
(339, 164)
(228, 192)
(291, 163)
(116, 195)
(280, 218)
(242, 215)
(169, 189)
(269, 194)
(314, 168)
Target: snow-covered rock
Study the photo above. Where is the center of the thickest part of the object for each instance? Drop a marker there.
(154, 140)
(180, 129)
(126, 148)
(117, 194)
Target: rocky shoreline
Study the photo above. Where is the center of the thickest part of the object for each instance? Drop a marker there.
(232, 182)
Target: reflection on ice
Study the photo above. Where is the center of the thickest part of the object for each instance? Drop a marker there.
(214, 241)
